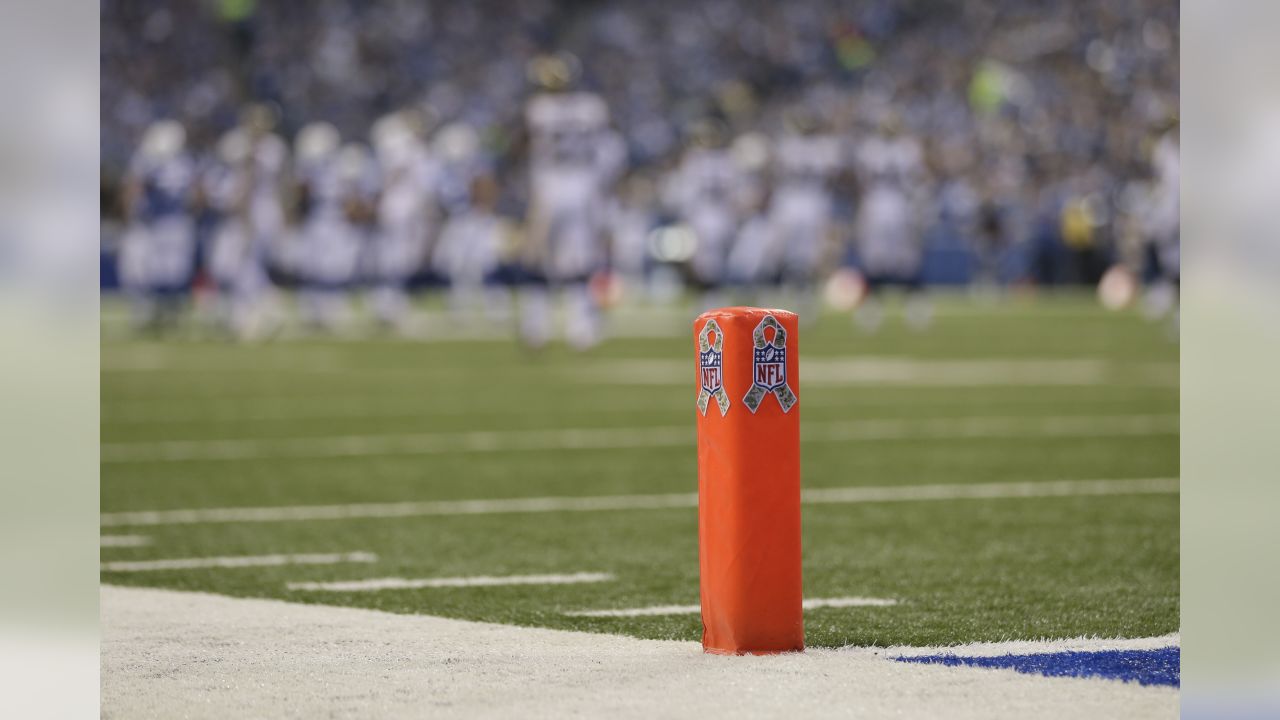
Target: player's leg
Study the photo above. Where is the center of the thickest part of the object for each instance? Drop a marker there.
(801, 268)
(498, 285)
(254, 302)
(466, 288)
(389, 303)
(134, 261)
(179, 259)
(582, 317)
(868, 315)
(919, 308)
(535, 309)
(387, 297)
(311, 294)
(576, 254)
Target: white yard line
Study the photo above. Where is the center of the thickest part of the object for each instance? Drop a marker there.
(1036, 647)
(239, 561)
(905, 371)
(123, 541)
(811, 604)
(266, 409)
(393, 583)
(172, 654)
(991, 427)
(627, 437)
(597, 503)
(842, 602)
(990, 491)
(654, 610)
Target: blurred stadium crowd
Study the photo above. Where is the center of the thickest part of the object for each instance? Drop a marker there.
(523, 147)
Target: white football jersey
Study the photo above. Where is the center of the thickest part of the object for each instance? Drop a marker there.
(892, 171)
(1162, 222)
(704, 191)
(801, 207)
(164, 184)
(269, 156)
(1165, 162)
(159, 248)
(809, 161)
(470, 246)
(325, 189)
(330, 243)
(629, 226)
(406, 210)
(408, 179)
(574, 158)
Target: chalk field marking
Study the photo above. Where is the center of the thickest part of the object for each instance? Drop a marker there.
(451, 582)
(990, 491)
(151, 667)
(812, 604)
(264, 409)
(816, 496)
(632, 437)
(123, 541)
(905, 371)
(843, 602)
(1034, 647)
(240, 561)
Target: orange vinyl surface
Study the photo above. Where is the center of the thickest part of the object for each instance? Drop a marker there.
(749, 487)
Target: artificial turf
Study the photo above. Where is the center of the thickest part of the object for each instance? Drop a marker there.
(961, 570)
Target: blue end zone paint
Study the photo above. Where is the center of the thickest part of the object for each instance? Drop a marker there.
(1147, 667)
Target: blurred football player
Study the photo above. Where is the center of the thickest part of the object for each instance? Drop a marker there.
(754, 258)
(703, 192)
(245, 187)
(468, 253)
(631, 218)
(574, 158)
(406, 213)
(234, 261)
(806, 162)
(1162, 227)
(888, 227)
(335, 206)
(269, 163)
(158, 255)
(459, 158)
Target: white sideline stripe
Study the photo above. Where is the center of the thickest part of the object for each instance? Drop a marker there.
(628, 437)
(238, 561)
(171, 654)
(893, 493)
(1036, 647)
(451, 582)
(120, 541)
(812, 604)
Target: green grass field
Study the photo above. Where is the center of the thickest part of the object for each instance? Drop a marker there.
(1050, 390)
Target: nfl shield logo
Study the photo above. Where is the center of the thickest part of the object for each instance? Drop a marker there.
(710, 368)
(770, 367)
(710, 363)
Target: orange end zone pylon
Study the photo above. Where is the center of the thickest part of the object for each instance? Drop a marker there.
(748, 415)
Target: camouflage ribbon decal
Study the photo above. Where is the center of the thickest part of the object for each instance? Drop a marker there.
(711, 369)
(769, 367)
